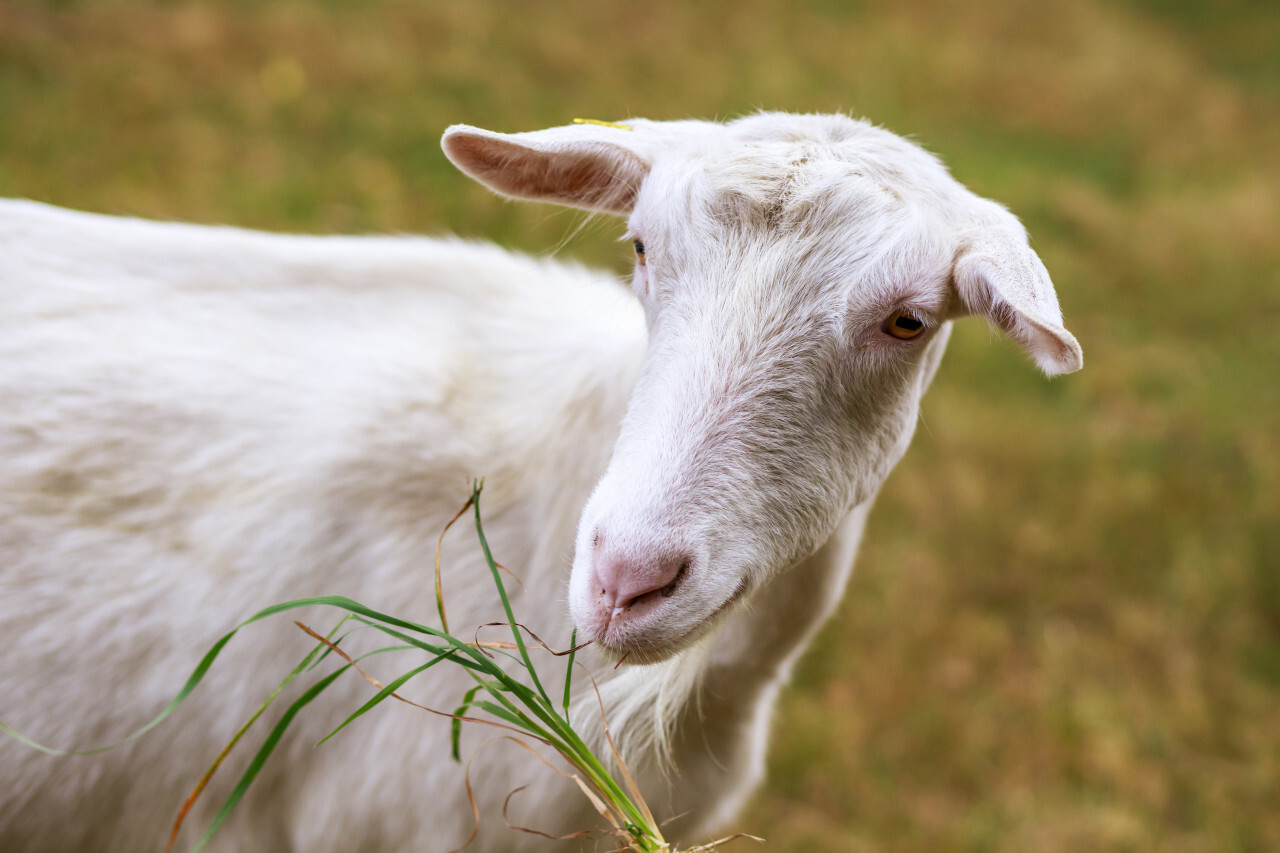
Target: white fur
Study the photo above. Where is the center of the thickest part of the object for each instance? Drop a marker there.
(196, 422)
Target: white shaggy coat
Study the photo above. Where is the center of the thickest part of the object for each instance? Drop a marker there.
(197, 422)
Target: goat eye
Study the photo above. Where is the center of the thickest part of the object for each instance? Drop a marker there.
(903, 326)
(639, 251)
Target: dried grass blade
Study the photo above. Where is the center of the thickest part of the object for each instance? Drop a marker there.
(496, 644)
(638, 802)
(632, 788)
(306, 664)
(475, 810)
(505, 819)
(376, 683)
(712, 845)
(202, 668)
(382, 694)
(594, 798)
(444, 621)
(263, 753)
(515, 577)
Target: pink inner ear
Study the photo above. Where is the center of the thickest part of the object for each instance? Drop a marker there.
(1054, 349)
(603, 178)
(580, 179)
(1002, 314)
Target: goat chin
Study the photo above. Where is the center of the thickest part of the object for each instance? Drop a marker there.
(198, 422)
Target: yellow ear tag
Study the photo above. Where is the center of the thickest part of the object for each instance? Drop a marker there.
(596, 121)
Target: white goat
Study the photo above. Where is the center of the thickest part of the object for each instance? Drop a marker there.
(196, 422)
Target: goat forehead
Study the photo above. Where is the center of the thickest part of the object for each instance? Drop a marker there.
(793, 188)
(788, 205)
(744, 272)
(792, 171)
(771, 138)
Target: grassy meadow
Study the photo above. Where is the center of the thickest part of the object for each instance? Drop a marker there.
(1064, 630)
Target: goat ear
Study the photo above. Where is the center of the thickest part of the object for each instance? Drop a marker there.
(998, 276)
(595, 167)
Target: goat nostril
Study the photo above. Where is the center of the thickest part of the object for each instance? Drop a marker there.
(670, 589)
(624, 583)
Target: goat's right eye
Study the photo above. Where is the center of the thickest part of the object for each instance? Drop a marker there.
(903, 326)
(639, 251)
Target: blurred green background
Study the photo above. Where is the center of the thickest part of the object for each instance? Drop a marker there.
(1064, 630)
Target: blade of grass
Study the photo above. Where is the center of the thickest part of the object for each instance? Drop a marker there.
(319, 652)
(202, 669)
(476, 661)
(192, 682)
(268, 746)
(568, 675)
(325, 650)
(475, 810)
(476, 487)
(720, 842)
(557, 732)
(455, 725)
(321, 646)
(591, 796)
(444, 621)
(530, 733)
(382, 694)
(639, 815)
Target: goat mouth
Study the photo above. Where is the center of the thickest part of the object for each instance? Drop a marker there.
(640, 650)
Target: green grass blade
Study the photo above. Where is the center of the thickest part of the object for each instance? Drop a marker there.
(384, 693)
(455, 725)
(568, 675)
(326, 650)
(202, 669)
(516, 719)
(193, 681)
(313, 659)
(478, 662)
(264, 752)
(504, 682)
(476, 486)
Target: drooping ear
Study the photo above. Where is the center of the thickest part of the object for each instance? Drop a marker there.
(998, 276)
(595, 167)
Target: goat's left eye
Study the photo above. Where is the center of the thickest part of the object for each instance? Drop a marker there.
(639, 251)
(903, 326)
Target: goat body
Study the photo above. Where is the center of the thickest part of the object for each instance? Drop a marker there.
(196, 422)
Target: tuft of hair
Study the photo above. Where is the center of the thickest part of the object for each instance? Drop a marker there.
(642, 706)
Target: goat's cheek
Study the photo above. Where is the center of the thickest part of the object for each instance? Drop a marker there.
(885, 436)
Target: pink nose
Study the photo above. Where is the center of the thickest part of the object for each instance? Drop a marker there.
(624, 580)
